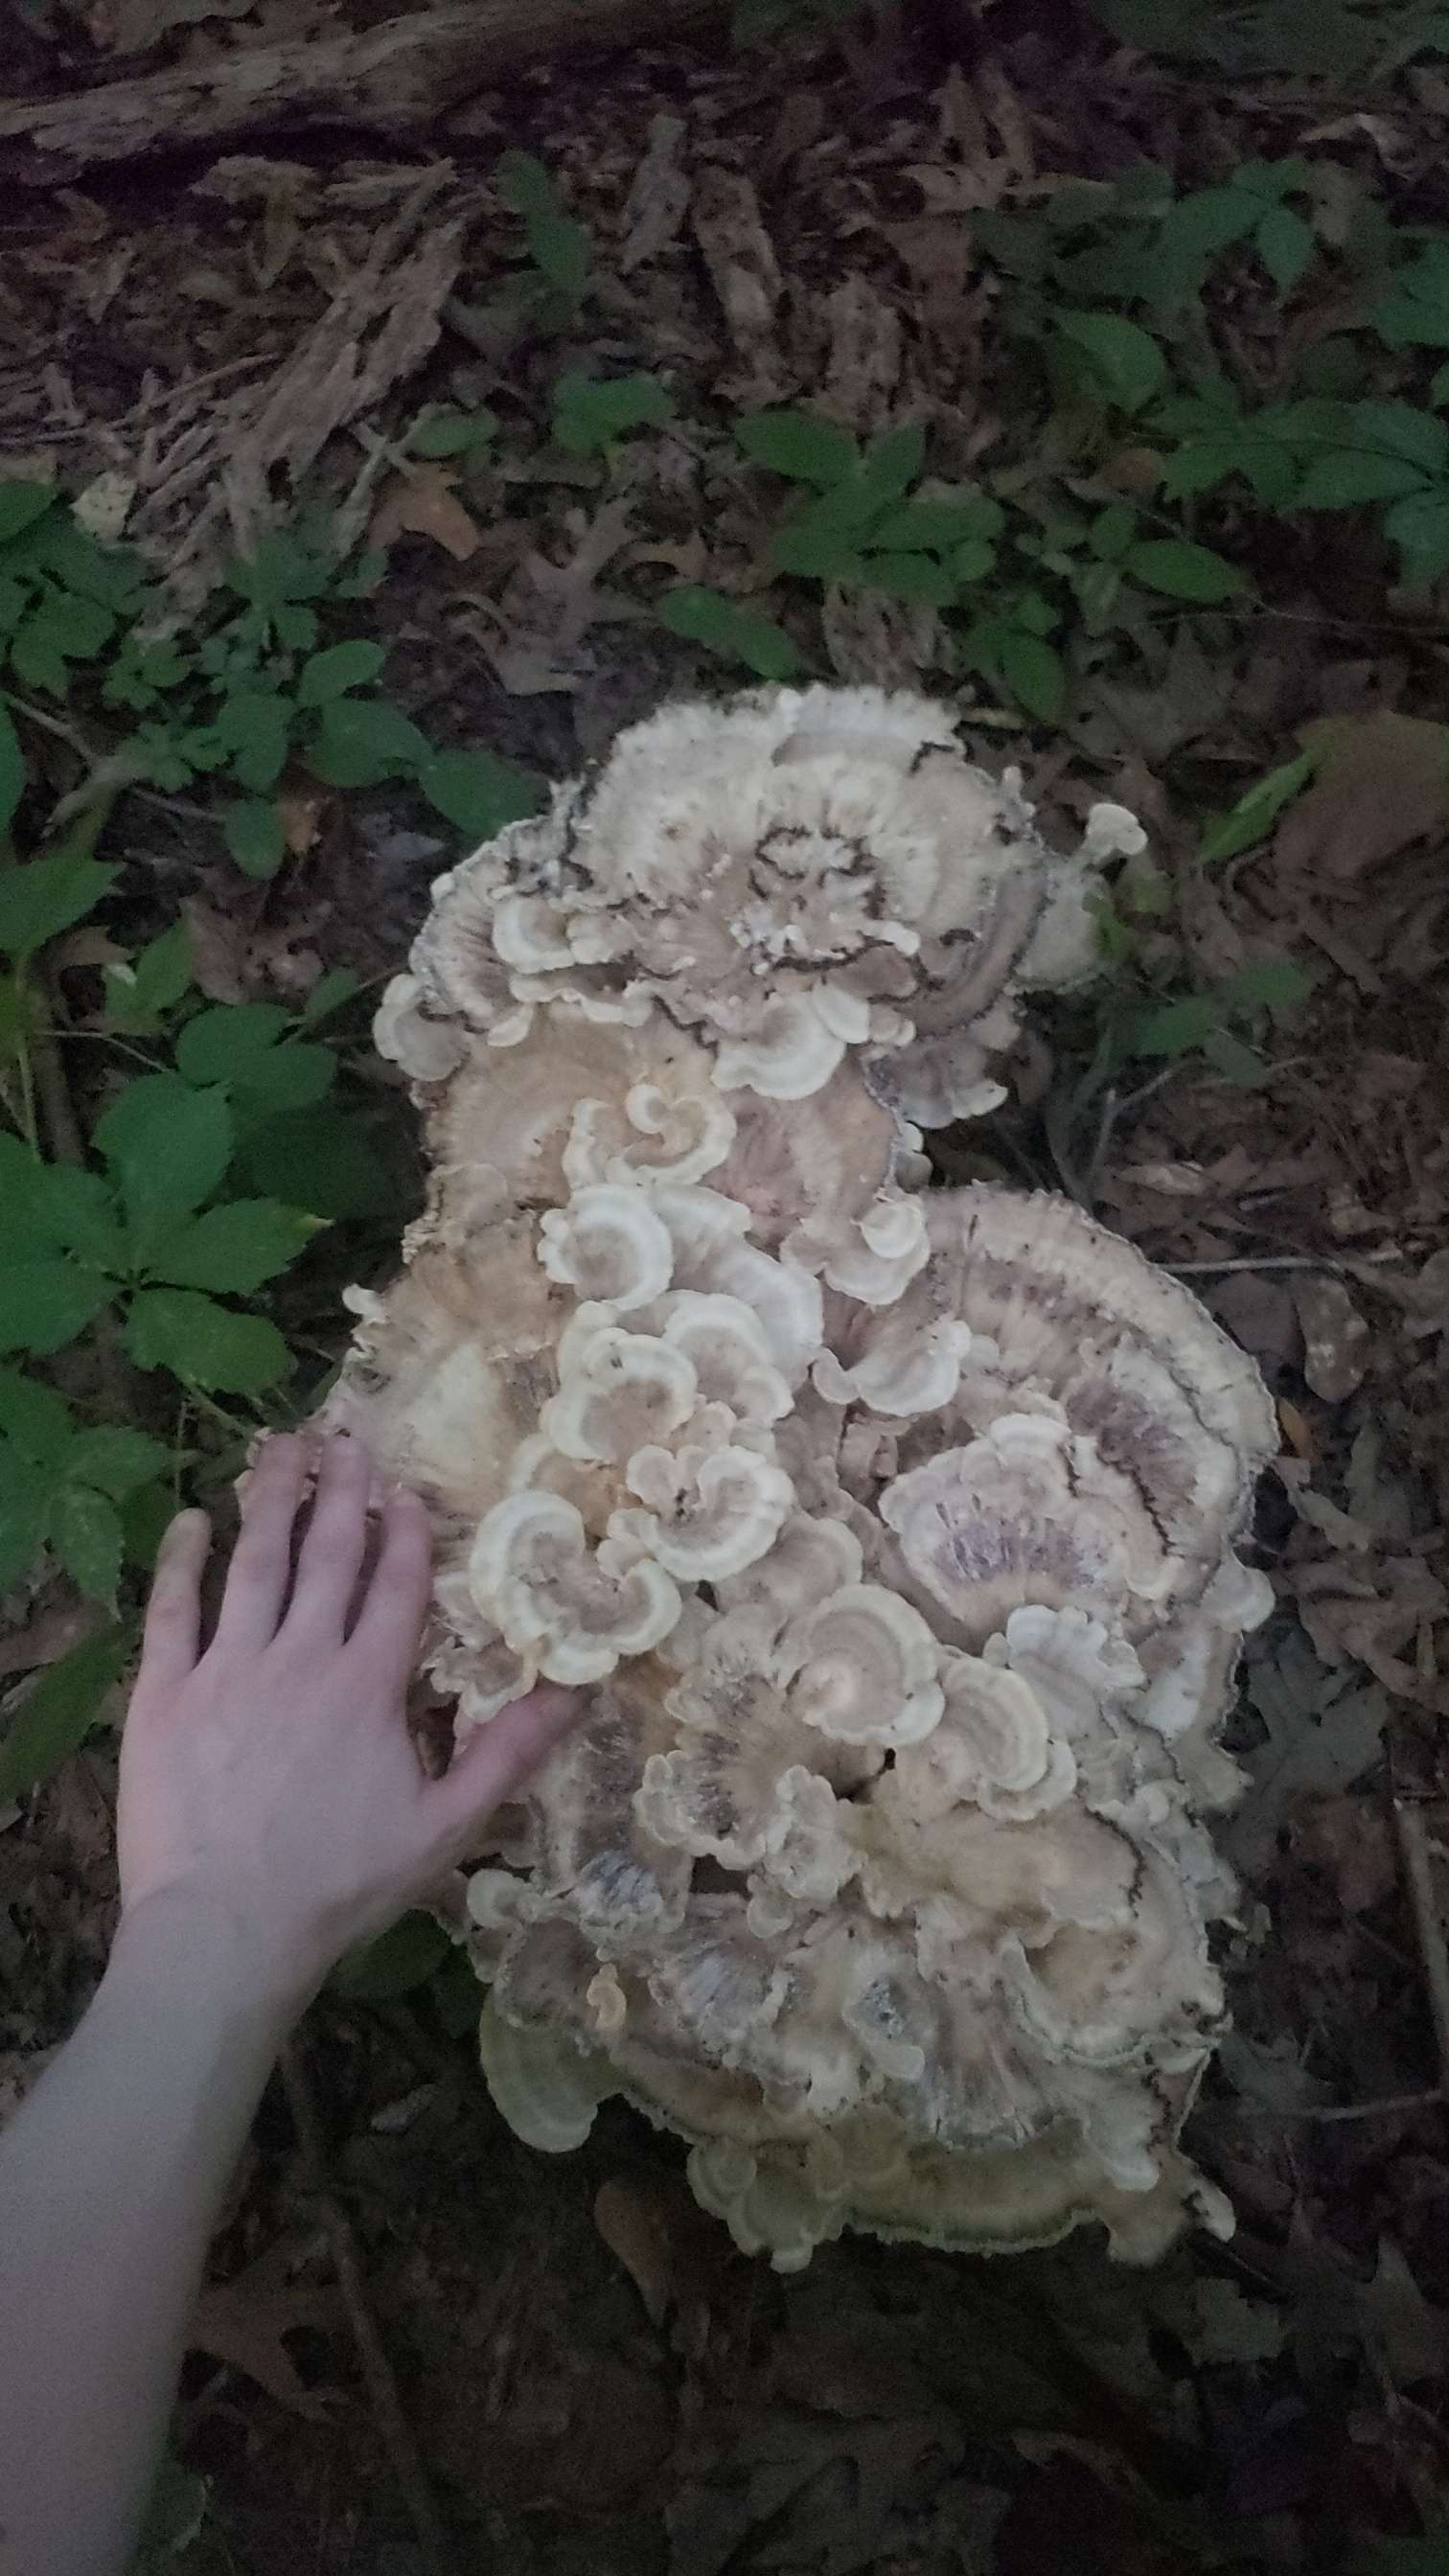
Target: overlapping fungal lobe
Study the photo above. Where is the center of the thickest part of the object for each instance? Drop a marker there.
(887, 1533)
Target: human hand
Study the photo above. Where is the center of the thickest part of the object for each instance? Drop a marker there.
(269, 1785)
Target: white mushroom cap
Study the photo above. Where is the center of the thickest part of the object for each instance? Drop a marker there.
(609, 1246)
(862, 1667)
(533, 1571)
(618, 1391)
(407, 1033)
(708, 1512)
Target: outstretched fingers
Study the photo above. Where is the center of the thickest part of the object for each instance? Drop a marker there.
(332, 1551)
(389, 1619)
(261, 1565)
(172, 1632)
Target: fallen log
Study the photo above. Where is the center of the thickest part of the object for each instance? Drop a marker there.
(392, 80)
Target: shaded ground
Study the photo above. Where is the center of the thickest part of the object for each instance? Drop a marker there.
(599, 2383)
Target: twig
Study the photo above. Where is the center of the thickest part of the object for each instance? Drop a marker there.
(62, 1126)
(392, 2423)
(1413, 1841)
(1268, 1261)
(1391, 2105)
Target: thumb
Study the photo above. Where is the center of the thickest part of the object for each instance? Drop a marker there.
(498, 1756)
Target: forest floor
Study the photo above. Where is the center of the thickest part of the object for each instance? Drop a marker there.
(598, 2382)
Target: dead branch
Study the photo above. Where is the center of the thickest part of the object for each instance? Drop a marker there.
(395, 80)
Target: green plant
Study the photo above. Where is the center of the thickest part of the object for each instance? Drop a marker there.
(1019, 570)
(703, 616)
(1349, 40)
(253, 688)
(592, 413)
(547, 293)
(442, 432)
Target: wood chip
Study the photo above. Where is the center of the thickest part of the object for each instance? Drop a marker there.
(1335, 1336)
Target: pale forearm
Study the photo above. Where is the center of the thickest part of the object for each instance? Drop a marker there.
(111, 2177)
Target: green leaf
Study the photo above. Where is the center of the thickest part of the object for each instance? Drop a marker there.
(973, 561)
(62, 629)
(232, 1249)
(816, 554)
(1256, 811)
(156, 980)
(1204, 222)
(85, 1533)
(400, 1960)
(253, 832)
(1175, 1027)
(477, 791)
(342, 667)
(934, 527)
(46, 1301)
(205, 1344)
(21, 504)
(913, 578)
(1126, 365)
(328, 994)
(704, 616)
(255, 726)
(59, 1206)
(225, 1043)
(1343, 477)
(12, 766)
(560, 248)
(1269, 983)
(59, 1710)
(454, 433)
(320, 1160)
(26, 1489)
(1414, 310)
(1034, 672)
(1420, 526)
(34, 1417)
(802, 444)
(591, 412)
(1285, 245)
(44, 897)
(175, 2513)
(359, 743)
(1235, 1060)
(167, 1144)
(116, 1459)
(1183, 570)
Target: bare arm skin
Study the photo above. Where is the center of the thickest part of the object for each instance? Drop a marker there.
(272, 1812)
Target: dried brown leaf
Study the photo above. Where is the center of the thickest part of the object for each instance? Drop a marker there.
(244, 2322)
(423, 503)
(1382, 781)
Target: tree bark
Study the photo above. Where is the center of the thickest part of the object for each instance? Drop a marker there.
(394, 80)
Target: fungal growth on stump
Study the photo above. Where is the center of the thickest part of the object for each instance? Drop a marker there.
(888, 1530)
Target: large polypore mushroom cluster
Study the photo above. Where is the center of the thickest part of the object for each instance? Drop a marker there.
(887, 1529)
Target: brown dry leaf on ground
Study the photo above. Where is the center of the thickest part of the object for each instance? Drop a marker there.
(245, 2322)
(423, 502)
(745, 272)
(1381, 782)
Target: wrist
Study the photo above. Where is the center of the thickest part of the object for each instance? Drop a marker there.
(195, 1952)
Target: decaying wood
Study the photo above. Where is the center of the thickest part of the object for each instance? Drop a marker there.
(393, 79)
